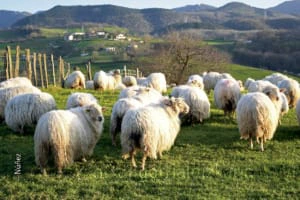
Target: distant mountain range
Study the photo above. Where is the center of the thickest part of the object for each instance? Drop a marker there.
(7, 18)
(233, 15)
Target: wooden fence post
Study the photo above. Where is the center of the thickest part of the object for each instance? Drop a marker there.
(137, 73)
(17, 63)
(41, 69)
(11, 74)
(45, 70)
(61, 71)
(28, 64)
(90, 71)
(34, 69)
(53, 70)
(6, 65)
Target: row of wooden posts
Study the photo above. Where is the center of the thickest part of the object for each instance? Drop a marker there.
(38, 70)
(36, 65)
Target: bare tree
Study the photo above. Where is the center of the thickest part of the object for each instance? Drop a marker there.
(183, 54)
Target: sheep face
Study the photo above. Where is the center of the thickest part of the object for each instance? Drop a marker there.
(272, 93)
(178, 105)
(94, 112)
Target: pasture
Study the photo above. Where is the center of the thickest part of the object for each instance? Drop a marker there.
(208, 161)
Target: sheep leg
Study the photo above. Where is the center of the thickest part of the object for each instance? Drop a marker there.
(44, 172)
(160, 155)
(262, 144)
(144, 161)
(132, 154)
(251, 143)
(83, 160)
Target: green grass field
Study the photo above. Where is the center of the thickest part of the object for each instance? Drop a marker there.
(208, 161)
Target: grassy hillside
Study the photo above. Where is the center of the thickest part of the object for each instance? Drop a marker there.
(208, 161)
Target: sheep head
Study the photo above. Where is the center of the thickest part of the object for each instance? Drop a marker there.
(177, 104)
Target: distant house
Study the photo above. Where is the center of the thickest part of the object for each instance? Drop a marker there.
(74, 36)
(120, 37)
(110, 49)
(101, 33)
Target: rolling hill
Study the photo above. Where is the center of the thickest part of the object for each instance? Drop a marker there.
(236, 16)
(10, 17)
(288, 7)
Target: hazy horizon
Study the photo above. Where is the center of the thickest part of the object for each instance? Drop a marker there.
(33, 6)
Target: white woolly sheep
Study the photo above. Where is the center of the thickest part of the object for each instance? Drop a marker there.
(196, 80)
(196, 99)
(226, 95)
(258, 117)
(284, 106)
(298, 111)
(129, 81)
(261, 85)
(275, 78)
(89, 85)
(248, 82)
(69, 135)
(142, 81)
(75, 80)
(7, 93)
(144, 96)
(291, 90)
(129, 91)
(26, 109)
(210, 80)
(152, 129)
(13, 82)
(105, 81)
(80, 99)
(156, 81)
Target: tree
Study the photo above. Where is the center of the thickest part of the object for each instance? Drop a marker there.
(183, 54)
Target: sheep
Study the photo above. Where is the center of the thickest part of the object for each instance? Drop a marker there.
(196, 80)
(196, 99)
(226, 95)
(17, 81)
(80, 99)
(248, 82)
(156, 81)
(7, 93)
(129, 91)
(259, 85)
(142, 81)
(275, 78)
(258, 117)
(75, 80)
(291, 90)
(26, 109)
(144, 96)
(69, 135)
(298, 111)
(284, 106)
(90, 85)
(129, 81)
(210, 80)
(152, 129)
(104, 81)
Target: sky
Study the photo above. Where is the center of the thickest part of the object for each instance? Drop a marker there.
(33, 6)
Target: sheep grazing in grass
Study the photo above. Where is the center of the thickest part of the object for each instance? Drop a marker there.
(298, 111)
(13, 82)
(284, 106)
(89, 85)
(152, 129)
(68, 135)
(144, 96)
(260, 85)
(291, 90)
(26, 109)
(105, 81)
(196, 99)
(129, 81)
(8, 93)
(196, 80)
(129, 91)
(76, 80)
(210, 79)
(157, 81)
(275, 78)
(248, 82)
(80, 99)
(258, 117)
(226, 95)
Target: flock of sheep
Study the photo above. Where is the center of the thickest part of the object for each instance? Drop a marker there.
(145, 119)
